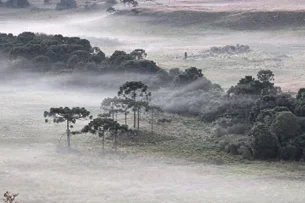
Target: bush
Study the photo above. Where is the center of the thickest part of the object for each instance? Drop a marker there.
(188, 76)
(265, 144)
(66, 4)
(285, 126)
(139, 66)
(289, 152)
(17, 3)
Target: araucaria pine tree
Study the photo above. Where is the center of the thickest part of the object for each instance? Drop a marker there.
(67, 115)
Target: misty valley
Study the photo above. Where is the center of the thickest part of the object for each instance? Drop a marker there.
(152, 101)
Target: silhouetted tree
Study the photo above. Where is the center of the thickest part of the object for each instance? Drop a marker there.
(138, 54)
(17, 3)
(67, 115)
(101, 125)
(135, 92)
(189, 75)
(66, 4)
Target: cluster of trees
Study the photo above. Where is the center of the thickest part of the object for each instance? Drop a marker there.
(230, 49)
(56, 53)
(132, 96)
(274, 120)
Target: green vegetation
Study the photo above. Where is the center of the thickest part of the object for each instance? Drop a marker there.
(66, 4)
(68, 115)
(16, 3)
(270, 121)
(58, 54)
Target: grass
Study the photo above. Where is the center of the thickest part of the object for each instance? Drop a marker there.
(188, 139)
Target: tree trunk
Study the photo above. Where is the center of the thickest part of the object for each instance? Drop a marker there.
(102, 135)
(138, 118)
(103, 141)
(134, 118)
(125, 118)
(68, 133)
(115, 140)
(152, 122)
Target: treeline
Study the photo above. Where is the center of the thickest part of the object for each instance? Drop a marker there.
(58, 54)
(15, 3)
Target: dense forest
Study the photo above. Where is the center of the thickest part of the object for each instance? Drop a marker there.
(263, 121)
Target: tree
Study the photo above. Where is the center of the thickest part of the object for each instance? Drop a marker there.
(153, 109)
(138, 54)
(68, 115)
(130, 2)
(135, 92)
(189, 75)
(17, 3)
(265, 144)
(110, 10)
(301, 94)
(66, 4)
(101, 125)
(285, 126)
(265, 76)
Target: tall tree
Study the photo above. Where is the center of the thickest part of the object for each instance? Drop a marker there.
(67, 115)
(137, 95)
(153, 110)
(102, 125)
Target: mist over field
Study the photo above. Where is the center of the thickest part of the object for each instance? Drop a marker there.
(34, 159)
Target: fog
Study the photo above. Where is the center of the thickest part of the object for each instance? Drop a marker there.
(34, 160)
(37, 166)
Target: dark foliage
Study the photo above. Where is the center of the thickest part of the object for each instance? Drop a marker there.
(265, 145)
(16, 3)
(66, 4)
(56, 53)
(251, 86)
(187, 76)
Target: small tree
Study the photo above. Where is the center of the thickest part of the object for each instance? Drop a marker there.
(68, 115)
(265, 76)
(136, 94)
(116, 105)
(66, 4)
(138, 54)
(265, 145)
(102, 125)
(153, 110)
(132, 3)
(17, 3)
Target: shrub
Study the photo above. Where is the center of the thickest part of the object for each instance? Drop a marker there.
(288, 152)
(17, 3)
(285, 126)
(189, 75)
(66, 4)
(265, 144)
